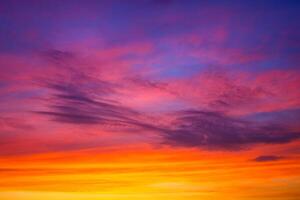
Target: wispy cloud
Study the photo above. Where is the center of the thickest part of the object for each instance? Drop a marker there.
(214, 130)
(85, 102)
(267, 158)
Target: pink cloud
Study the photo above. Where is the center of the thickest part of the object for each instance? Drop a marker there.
(241, 92)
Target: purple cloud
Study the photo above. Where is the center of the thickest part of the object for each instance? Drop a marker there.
(267, 158)
(214, 130)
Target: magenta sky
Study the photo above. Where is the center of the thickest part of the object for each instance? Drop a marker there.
(211, 75)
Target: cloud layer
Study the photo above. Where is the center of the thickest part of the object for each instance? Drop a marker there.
(162, 73)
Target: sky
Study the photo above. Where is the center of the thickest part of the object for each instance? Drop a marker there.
(149, 99)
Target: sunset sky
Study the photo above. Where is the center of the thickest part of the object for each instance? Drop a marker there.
(149, 100)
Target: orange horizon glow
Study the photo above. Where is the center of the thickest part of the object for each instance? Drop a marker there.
(147, 174)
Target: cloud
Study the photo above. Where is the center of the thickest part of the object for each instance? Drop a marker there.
(76, 96)
(87, 102)
(267, 158)
(70, 104)
(10, 123)
(58, 56)
(214, 130)
(239, 92)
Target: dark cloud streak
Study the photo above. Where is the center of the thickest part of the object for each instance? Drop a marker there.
(213, 130)
(267, 158)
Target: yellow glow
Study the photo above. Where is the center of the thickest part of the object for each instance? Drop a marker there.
(146, 174)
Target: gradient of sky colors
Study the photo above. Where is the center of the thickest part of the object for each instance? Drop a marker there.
(149, 99)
